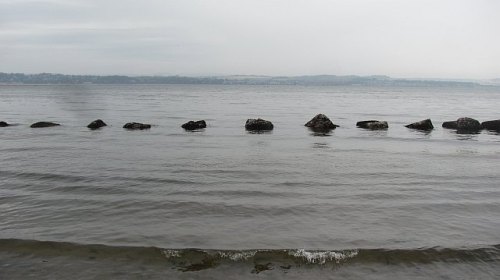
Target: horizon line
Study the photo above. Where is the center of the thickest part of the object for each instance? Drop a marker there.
(257, 75)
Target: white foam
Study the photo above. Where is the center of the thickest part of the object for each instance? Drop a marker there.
(237, 256)
(321, 257)
(171, 253)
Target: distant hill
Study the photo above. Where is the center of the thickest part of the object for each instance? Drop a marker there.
(47, 78)
(316, 80)
(494, 81)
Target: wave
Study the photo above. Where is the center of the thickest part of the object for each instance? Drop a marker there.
(69, 178)
(190, 259)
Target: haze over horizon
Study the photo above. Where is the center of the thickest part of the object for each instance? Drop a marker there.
(403, 39)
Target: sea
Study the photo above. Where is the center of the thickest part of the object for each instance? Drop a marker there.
(225, 203)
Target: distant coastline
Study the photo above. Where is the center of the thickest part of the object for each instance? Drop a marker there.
(315, 80)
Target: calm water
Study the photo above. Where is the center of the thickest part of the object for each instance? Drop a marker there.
(288, 204)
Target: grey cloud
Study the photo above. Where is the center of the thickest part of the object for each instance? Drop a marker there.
(276, 37)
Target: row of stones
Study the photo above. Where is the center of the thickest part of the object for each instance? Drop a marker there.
(464, 124)
(320, 122)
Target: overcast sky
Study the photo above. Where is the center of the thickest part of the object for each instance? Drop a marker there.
(399, 38)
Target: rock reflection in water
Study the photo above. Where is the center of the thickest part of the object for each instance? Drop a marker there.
(320, 132)
(321, 145)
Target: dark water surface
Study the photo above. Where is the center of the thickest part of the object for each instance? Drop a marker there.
(287, 204)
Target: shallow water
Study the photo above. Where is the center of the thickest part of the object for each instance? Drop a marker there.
(395, 198)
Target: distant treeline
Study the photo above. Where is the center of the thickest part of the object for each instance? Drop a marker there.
(318, 80)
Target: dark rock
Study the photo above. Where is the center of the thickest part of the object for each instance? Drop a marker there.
(468, 124)
(134, 125)
(450, 124)
(3, 124)
(364, 124)
(422, 125)
(491, 125)
(464, 125)
(44, 124)
(96, 124)
(258, 125)
(321, 122)
(378, 125)
(193, 125)
(372, 124)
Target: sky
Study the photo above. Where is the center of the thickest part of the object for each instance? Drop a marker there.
(458, 39)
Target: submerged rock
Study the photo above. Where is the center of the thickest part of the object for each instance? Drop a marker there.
(193, 125)
(422, 125)
(96, 124)
(258, 125)
(321, 122)
(44, 124)
(491, 125)
(3, 124)
(258, 268)
(373, 124)
(134, 125)
(450, 125)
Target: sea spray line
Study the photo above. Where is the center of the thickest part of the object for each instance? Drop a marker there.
(490, 253)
